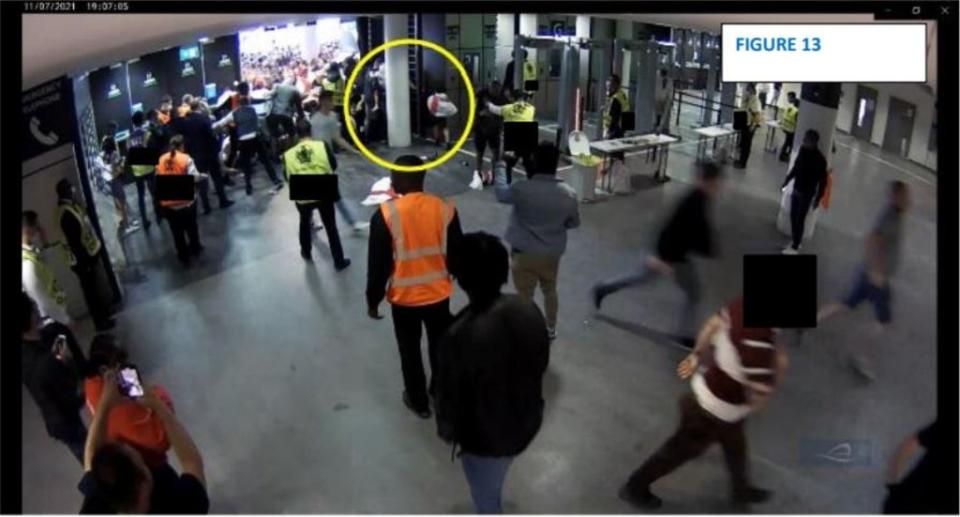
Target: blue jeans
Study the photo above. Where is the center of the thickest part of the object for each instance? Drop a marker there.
(486, 474)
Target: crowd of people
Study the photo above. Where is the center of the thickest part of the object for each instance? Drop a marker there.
(487, 362)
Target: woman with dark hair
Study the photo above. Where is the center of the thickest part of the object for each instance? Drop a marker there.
(181, 214)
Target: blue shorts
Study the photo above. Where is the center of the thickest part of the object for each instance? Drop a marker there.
(862, 290)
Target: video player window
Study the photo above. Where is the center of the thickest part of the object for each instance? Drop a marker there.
(429, 257)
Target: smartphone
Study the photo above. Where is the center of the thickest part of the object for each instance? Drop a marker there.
(129, 382)
(60, 349)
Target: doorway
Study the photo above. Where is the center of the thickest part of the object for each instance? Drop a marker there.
(864, 111)
(900, 118)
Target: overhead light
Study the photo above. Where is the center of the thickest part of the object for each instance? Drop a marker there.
(290, 25)
(205, 40)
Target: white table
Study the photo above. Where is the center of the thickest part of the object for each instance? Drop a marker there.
(714, 133)
(770, 145)
(652, 142)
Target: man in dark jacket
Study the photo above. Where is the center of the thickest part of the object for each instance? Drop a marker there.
(687, 231)
(203, 146)
(52, 369)
(809, 175)
(491, 365)
(85, 252)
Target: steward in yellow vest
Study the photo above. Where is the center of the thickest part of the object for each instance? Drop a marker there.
(519, 111)
(314, 158)
(616, 104)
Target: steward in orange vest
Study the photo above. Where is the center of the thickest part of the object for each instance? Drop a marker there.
(181, 214)
(412, 241)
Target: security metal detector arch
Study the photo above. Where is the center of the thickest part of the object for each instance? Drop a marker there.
(646, 59)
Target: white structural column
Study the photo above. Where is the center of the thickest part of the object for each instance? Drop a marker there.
(818, 111)
(528, 27)
(625, 32)
(583, 31)
(397, 80)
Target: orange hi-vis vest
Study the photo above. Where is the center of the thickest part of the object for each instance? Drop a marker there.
(418, 224)
(173, 166)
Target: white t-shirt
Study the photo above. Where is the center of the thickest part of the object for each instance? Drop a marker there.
(324, 127)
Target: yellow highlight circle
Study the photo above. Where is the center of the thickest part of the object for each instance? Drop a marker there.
(470, 114)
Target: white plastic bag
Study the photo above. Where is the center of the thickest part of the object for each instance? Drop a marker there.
(783, 217)
(440, 106)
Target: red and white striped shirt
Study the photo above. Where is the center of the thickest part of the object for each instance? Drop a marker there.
(738, 357)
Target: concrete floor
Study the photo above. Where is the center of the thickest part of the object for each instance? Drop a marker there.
(293, 394)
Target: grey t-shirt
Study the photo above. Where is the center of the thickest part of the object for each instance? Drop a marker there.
(888, 227)
(324, 127)
(284, 97)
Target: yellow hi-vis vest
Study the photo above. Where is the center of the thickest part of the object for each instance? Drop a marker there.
(529, 71)
(518, 112)
(307, 157)
(91, 242)
(621, 96)
(337, 87)
(789, 123)
(46, 277)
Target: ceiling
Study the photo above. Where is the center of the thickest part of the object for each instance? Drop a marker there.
(60, 44)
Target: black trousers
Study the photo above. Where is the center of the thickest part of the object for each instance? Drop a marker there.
(511, 160)
(787, 146)
(213, 168)
(87, 275)
(408, 323)
(249, 149)
(698, 430)
(144, 183)
(482, 140)
(74, 435)
(329, 218)
(183, 225)
(746, 143)
(799, 206)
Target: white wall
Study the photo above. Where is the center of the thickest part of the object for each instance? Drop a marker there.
(915, 94)
(625, 31)
(504, 42)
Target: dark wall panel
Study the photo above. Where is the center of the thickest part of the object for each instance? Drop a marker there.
(150, 77)
(186, 75)
(221, 62)
(111, 101)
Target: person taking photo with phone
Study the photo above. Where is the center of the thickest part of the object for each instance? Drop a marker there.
(116, 478)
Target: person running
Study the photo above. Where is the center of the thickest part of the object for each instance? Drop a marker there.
(687, 231)
(544, 208)
(809, 176)
(733, 371)
(491, 366)
(310, 157)
(250, 143)
(872, 278)
(412, 254)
